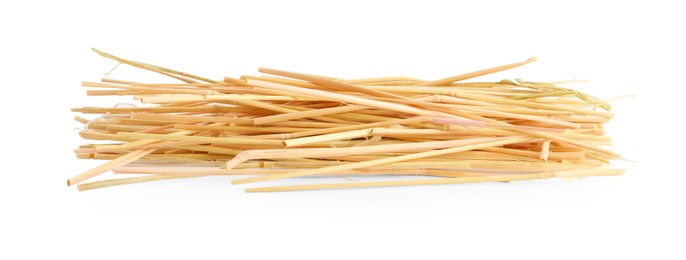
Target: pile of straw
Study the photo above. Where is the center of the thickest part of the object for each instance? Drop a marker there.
(286, 125)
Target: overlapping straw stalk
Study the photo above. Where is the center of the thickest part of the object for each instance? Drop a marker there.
(287, 125)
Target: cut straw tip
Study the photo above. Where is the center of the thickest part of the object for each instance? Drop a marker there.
(241, 181)
(255, 190)
(532, 59)
(97, 51)
(265, 70)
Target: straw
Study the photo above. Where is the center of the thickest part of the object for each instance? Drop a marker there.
(283, 124)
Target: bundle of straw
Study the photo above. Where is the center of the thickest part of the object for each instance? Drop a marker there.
(285, 125)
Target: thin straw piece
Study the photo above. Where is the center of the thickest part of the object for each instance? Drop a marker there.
(342, 98)
(333, 152)
(120, 161)
(328, 82)
(383, 161)
(132, 180)
(475, 74)
(490, 178)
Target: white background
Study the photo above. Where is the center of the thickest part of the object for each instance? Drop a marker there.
(622, 48)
